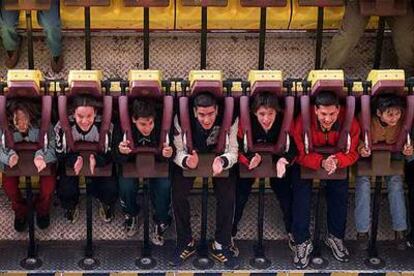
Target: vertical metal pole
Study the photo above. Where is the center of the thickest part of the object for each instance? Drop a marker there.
(204, 206)
(262, 38)
(203, 46)
(260, 216)
(372, 248)
(318, 219)
(146, 38)
(379, 42)
(89, 226)
(88, 53)
(319, 32)
(31, 261)
(260, 261)
(29, 194)
(29, 39)
(203, 261)
(146, 250)
(146, 261)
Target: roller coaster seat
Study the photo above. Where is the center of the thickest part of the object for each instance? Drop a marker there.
(322, 80)
(25, 85)
(265, 82)
(201, 82)
(146, 84)
(380, 163)
(87, 82)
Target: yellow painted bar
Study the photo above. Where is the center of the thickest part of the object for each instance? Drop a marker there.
(232, 17)
(115, 16)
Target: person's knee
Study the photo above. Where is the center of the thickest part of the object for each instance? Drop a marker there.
(363, 185)
(395, 185)
(127, 186)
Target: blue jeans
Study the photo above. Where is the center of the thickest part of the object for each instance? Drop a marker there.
(160, 191)
(395, 198)
(49, 20)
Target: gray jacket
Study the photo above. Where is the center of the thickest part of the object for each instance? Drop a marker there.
(33, 136)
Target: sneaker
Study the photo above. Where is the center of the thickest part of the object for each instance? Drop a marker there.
(410, 242)
(106, 212)
(224, 256)
(400, 240)
(291, 242)
(182, 254)
(302, 255)
(130, 225)
(339, 251)
(363, 241)
(233, 248)
(20, 224)
(43, 222)
(72, 215)
(158, 235)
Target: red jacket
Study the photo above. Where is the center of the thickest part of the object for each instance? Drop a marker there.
(319, 138)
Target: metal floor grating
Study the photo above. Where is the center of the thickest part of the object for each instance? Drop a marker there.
(273, 226)
(178, 53)
(118, 256)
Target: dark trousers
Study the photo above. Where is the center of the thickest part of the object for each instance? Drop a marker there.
(409, 178)
(42, 201)
(160, 192)
(103, 188)
(337, 206)
(224, 190)
(282, 189)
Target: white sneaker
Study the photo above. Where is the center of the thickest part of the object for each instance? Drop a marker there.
(130, 225)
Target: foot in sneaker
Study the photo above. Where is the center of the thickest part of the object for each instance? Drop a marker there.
(410, 242)
(400, 240)
(302, 255)
(337, 246)
(158, 235)
(43, 222)
(72, 214)
(363, 240)
(106, 212)
(291, 242)
(182, 254)
(130, 225)
(20, 224)
(233, 248)
(224, 255)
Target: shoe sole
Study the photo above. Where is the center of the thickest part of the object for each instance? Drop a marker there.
(220, 261)
(183, 260)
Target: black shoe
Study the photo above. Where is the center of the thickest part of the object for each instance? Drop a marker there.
(106, 212)
(400, 240)
(43, 222)
(224, 256)
(363, 241)
(72, 214)
(20, 224)
(182, 254)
